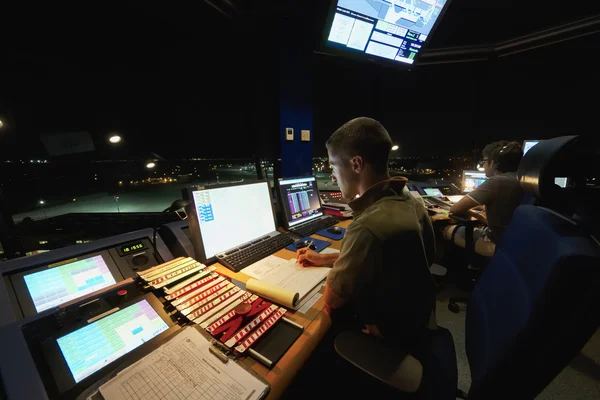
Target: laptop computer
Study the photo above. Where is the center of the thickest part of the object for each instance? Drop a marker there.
(233, 224)
(301, 206)
(471, 180)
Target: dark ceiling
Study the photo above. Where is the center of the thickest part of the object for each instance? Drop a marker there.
(160, 70)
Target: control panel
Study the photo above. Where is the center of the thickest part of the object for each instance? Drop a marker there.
(36, 284)
(332, 197)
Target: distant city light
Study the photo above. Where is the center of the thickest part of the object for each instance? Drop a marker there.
(395, 147)
(42, 202)
(150, 165)
(115, 139)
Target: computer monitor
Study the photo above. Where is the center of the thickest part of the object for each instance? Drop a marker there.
(471, 180)
(392, 30)
(98, 344)
(300, 200)
(434, 192)
(562, 182)
(52, 285)
(528, 144)
(227, 216)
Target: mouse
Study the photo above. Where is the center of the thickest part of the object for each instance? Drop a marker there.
(335, 230)
(304, 243)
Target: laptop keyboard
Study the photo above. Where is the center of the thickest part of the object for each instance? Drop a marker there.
(239, 258)
(312, 227)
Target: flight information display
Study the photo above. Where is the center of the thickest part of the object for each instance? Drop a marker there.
(54, 286)
(91, 348)
(300, 199)
(391, 29)
(435, 192)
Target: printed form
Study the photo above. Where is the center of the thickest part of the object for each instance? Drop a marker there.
(181, 369)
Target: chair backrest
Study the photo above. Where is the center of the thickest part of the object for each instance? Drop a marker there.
(536, 304)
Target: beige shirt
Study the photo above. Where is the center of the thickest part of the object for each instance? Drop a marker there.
(383, 268)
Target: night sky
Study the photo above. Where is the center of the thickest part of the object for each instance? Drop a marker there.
(168, 79)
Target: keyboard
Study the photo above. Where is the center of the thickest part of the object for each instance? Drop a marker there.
(239, 258)
(314, 226)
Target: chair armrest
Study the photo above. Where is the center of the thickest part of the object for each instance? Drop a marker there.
(391, 366)
(464, 220)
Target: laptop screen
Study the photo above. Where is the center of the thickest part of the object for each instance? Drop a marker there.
(233, 215)
(300, 200)
(472, 180)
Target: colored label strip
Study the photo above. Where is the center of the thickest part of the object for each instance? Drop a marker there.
(193, 283)
(188, 284)
(260, 331)
(174, 273)
(168, 264)
(218, 308)
(213, 287)
(165, 270)
(248, 328)
(179, 276)
(248, 298)
(212, 304)
(211, 297)
(227, 316)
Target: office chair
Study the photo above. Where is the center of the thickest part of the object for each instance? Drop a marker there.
(535, 305)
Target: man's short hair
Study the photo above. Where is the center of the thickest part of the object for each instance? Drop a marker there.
(363, 137)
(507, 155)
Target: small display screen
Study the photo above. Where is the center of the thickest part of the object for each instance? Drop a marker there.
(472, 180)
(528, 145)
(132, 247)
(91, 348)
(433, 192)
(300, 199)
(55, 286)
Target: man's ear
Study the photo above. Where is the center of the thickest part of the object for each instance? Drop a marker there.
(357, 163)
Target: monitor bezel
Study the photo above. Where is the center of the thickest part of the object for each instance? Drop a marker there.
(60, 377)
(362, 56)
(22, 292)
(194, 224)
(284, 219)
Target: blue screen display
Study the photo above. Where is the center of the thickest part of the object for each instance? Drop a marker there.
(390, 29)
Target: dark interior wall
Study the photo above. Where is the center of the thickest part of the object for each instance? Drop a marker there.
(453, 108)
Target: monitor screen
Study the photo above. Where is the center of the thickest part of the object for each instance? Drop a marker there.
(233, 215)
(528, 145)
(96, 345)
(54, 286)
(391, 29)
(300, 199)
(562, 182)
(433, 192)
(472, 180)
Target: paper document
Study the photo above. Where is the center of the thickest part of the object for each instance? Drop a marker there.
(263, 268)
(329, 250)
(296, 278)
(181, 369)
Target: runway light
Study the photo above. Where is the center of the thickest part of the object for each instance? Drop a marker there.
(115, 139)
(150, 165)
(395, 147)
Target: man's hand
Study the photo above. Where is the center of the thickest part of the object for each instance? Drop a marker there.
(309, 258)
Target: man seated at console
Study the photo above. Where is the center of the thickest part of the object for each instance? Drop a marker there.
(381, 277)
(498, 197)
